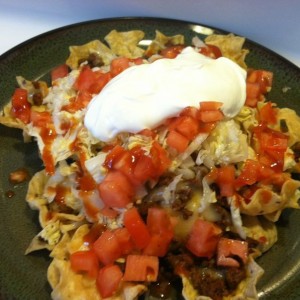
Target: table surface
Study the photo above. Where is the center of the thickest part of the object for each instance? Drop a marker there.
(272, 23)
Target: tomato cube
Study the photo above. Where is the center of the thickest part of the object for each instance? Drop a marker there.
(108, 280)
(107, 247)
(85, 261)
(141, 268)
(203, 238)
(137, 228)
(228, 249)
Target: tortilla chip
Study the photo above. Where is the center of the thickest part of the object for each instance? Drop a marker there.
(272, 208)
(231, 47)
(69, 285)
(125, 43)
(292, 121)
(260, 229)
(161, 41)
(81, 53)
(33, 87)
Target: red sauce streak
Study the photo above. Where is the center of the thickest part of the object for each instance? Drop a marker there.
(90, 209)
(86, 183)
(48, 134)
(61, 192)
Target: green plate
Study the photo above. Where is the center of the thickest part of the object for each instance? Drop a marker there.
(24, 277)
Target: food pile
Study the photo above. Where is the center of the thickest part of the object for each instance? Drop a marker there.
(188, 204)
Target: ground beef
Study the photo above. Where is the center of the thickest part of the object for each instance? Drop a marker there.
(225, 217)
(233, 276)
(93, 60)
(208, 282)
(205, 276)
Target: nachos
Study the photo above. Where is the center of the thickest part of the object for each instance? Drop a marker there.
(189, 204)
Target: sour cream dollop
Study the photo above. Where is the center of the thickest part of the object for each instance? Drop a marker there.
(143, 96)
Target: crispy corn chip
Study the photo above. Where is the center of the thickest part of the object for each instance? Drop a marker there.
(293, 124)
(60, 274)
(68, 285)
(81, 53)
(288, 197)
(33, 87)
(231, 47)
(125, 43)
(161, 41)
(259, 228)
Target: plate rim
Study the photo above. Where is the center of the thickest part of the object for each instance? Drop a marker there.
(135, 18)
(14, 50)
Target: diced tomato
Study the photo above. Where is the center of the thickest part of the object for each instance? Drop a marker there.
(210, 112)
(207, 127)
(94, 233)
(272, 146)
(229, 249)
(86, 262)
(172, 51)
(137, 61)
(268, 114)
(210, 105)
(113, 156)
(226, 180)
(135, 164)
(185, 125)
(203, 238)
(273, 141)
(252, 172)
(108, 280)
(160, 158)
(20, 105)
(40, 119)
(262, 77)
(124, 163)
(59, 72)
(101, 79)
(124, 239)
(259, 82)
(224, 176)
(141, 268)
(252, 94)
(159, 221)
(211, 51)
(144, 169)
(137, 228)
(161, 231)
(107, 247)
(118, 65)
(190, 111)
(177, 141)
(209, 116)
(116, 190)
(85, 79)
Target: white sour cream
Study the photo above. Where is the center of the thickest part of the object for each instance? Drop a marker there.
(144, 96)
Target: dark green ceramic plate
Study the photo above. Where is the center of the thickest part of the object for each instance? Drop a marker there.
(24, 277)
